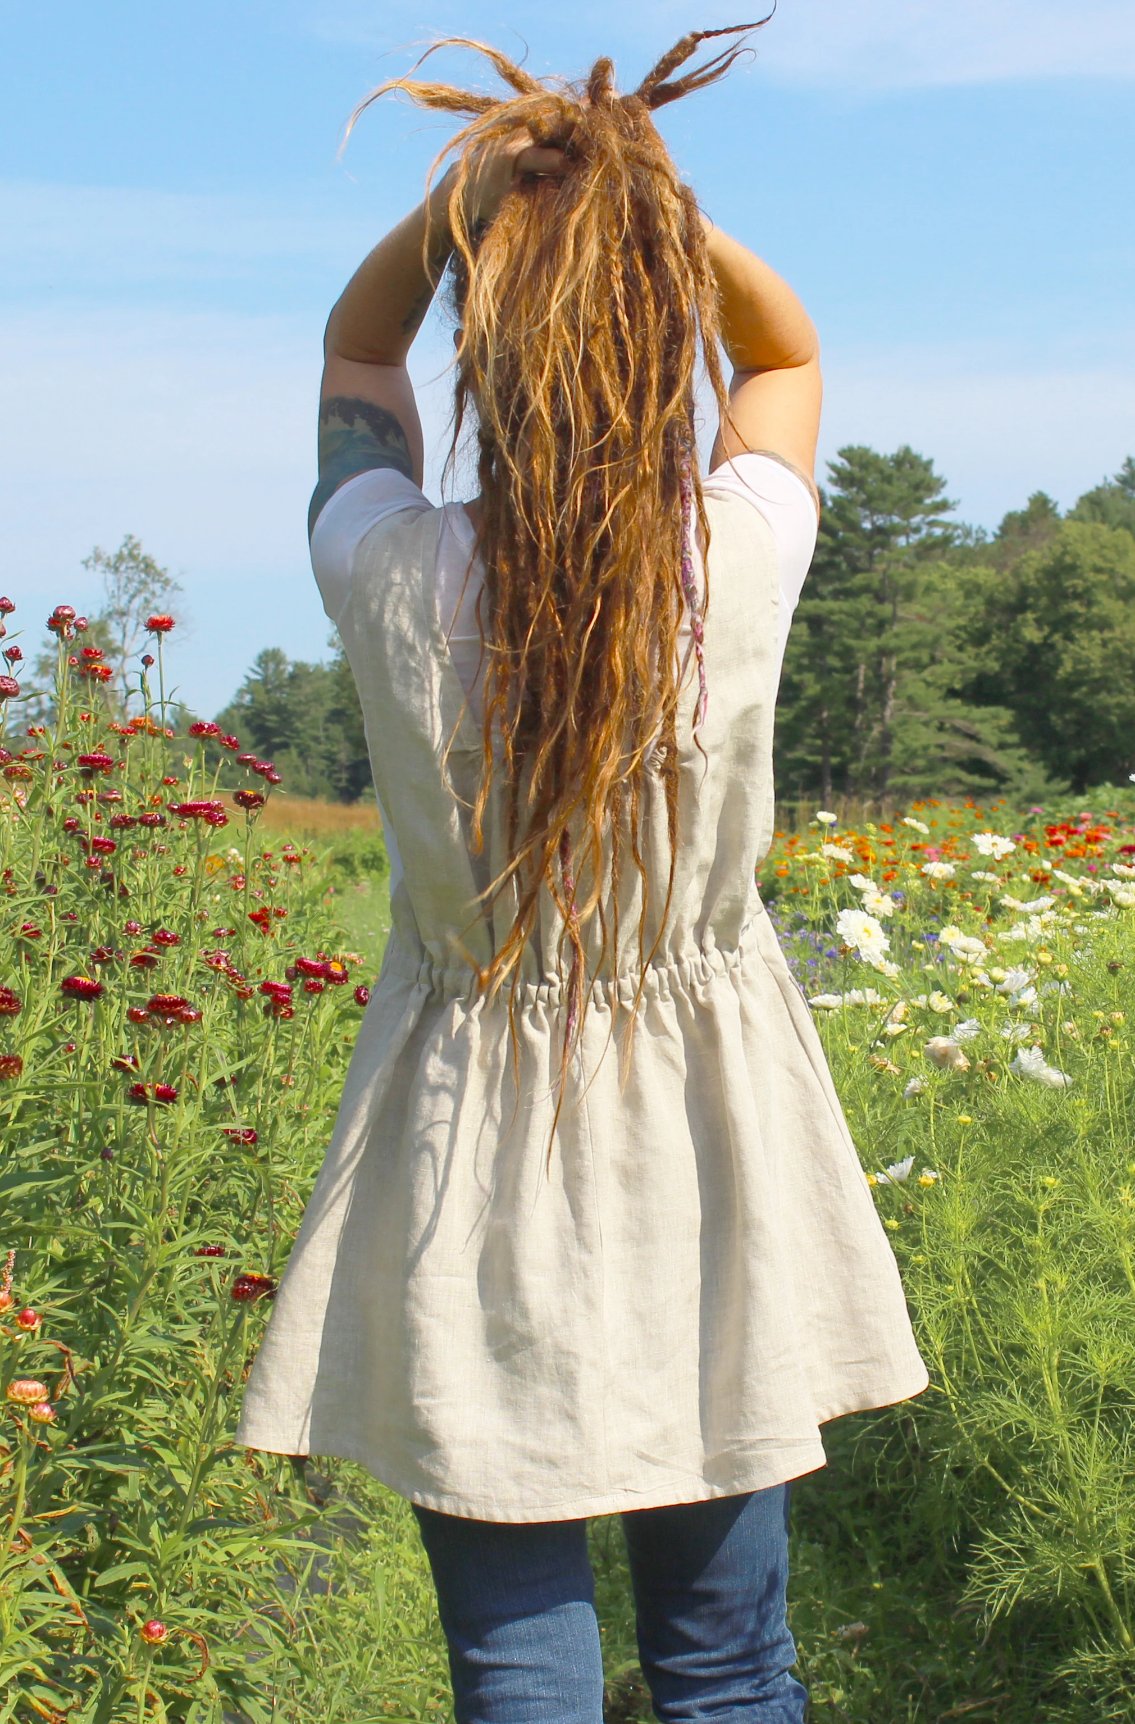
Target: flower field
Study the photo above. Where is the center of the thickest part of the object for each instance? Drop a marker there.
(179, 995)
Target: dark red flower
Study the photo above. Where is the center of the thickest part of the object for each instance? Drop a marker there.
(248, 799)
(362, 995)
(204, 727)
(6, 607)
(163, 1092)
(11, 1065)
(147, 659)
(144, 960)
(99, 761)
(241, 1134)
(81, 987)
(196, 810)
(151, 818)
(10, 1003)
(230, 742)
(159, 624)
(165, 937)
(126, 1062)
(104, 955)
(337, 972)
(314, 984)
(154, 1633)
(249, 1287)
(209, 1251)
(8, 687)
(311, 966)
(28, 1320)
(133, 927)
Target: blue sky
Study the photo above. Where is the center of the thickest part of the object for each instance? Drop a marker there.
(946, 187)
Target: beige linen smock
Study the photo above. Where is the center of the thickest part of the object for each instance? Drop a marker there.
(701, 1279)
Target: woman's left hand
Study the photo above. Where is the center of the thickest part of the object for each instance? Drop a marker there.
(496, 168)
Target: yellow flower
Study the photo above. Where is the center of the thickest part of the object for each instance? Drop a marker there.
(965, 1119)
(891, 1223)
(1050, 1180)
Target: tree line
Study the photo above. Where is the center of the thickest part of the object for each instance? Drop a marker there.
(925, 656)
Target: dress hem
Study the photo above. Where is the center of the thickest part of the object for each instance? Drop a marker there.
(810, 1457)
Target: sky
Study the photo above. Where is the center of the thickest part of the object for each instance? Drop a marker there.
(945, 187)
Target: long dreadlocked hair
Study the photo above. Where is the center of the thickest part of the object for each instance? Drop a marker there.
(584, 304)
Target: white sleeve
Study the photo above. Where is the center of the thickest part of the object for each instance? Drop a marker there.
(788, 506)
(344, 521)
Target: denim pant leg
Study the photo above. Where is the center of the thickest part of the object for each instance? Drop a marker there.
(709, 1582)
(517, 1604)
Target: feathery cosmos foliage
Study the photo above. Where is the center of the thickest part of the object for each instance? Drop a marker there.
(584, 304)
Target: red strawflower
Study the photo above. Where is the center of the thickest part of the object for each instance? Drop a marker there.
(99, 761)
(81, 988)
(8, 687)
(209, 1251)
(10, 1003)
(337, 972)
(241, 1134)
(311, 966)
(230, 742)
(28, 1320)
(249, 1287)
(126, 1062)
(144, 960)
(42, 1412)
(196, 810)
(11, 1065)
(154, 1633)
(152, 818)
(159, 624)
(26, 1391)
(248, 799)
(362, 995)
(165, 937)
(6, 607)
(204, 727)
(314, 984)
(148, 659)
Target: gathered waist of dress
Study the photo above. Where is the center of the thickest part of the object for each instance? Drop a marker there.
(671, 972)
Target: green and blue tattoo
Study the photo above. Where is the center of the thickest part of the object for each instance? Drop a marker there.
(354, 436)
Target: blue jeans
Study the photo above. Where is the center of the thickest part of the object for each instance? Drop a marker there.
(517, 1604)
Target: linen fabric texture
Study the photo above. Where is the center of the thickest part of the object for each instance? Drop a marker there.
(698, 1280)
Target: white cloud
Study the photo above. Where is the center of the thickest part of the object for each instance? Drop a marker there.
(995, 433)
(141, 236)
(867, 46)
(880, 44)
(197, 433)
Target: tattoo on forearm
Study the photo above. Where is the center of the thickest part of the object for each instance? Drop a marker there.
(354, 436)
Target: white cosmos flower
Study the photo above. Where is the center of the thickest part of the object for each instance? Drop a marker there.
(1018, 1032)
(1124, 896)
(897, 1172)
(984, 874)
(966, 1030)
(826, 818)
(919, 825)
(879, 903)
(861, 931)
(946, 1054)
(853, 997)
(1035, 905)
(1013, 981)
(913, 1088)
(939, 870)
(1121, 868)
(967, 948)
(863, 883)
(836, 852)
(1031, 1063)
(992, 844)
(939, 1002)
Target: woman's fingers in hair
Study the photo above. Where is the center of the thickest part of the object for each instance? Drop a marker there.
(542, 162)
